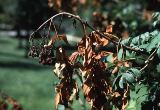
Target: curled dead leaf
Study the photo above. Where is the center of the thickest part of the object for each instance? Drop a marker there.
(57, 37)
(57, 100)
(109, 29)
(59, 69)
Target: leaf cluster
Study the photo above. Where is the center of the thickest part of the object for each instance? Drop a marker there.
(107, 75)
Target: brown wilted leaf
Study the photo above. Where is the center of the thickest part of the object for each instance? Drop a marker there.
(116, 94)
(3, 105)
(120, 98)
(66, 91)
(104, 42)
(125, 103)
(46, 56)
(111, 36)
(96, 39)
(73, 57)
(125, 98)
(57, 37)
(109, 29)
(51, 42)
(8, 101)
(86, 89)
(88, 52)
(98, 101)
(64, 38)
(57, 100)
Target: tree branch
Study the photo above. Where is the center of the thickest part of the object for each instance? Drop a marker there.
(114, 39)
(63, 13)
(150, 58)
(110, 37)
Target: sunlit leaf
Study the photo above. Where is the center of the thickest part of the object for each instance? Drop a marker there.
(129, 77)
(121, 82)
(120, 54)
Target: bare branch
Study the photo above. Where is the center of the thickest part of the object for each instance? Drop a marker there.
(150, 58)
(49, 28)
(62, 14)
(114, 39)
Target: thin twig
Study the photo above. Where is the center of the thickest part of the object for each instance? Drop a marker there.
(149, 59)
(55, 30)
(50, 24)
(114, 39)
(110, 37)
(68, 15)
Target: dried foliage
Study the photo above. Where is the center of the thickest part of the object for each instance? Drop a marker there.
(108, 67)
(6, 102)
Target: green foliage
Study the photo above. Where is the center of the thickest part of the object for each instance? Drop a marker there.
(156, 17)
(129, 76)
(146, 42)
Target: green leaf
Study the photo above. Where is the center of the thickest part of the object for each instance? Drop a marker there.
(129, 77)
(158, 52)
(135, 72)
(158, 68)
(156, 16)
(116, 82)
(140, 60)
(120, 54)
(123, 69)
(146, 41)
(129, 55)
(154, 43)
(126, 41)
(110, 65)
(121, 82)
(109, 57)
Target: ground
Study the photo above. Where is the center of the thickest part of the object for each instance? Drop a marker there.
(24, 79)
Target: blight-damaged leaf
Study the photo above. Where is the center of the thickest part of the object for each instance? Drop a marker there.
(59, 69)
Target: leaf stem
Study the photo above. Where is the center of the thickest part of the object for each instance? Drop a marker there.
(150, 58)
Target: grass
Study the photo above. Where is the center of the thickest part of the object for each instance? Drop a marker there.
(24, 79)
